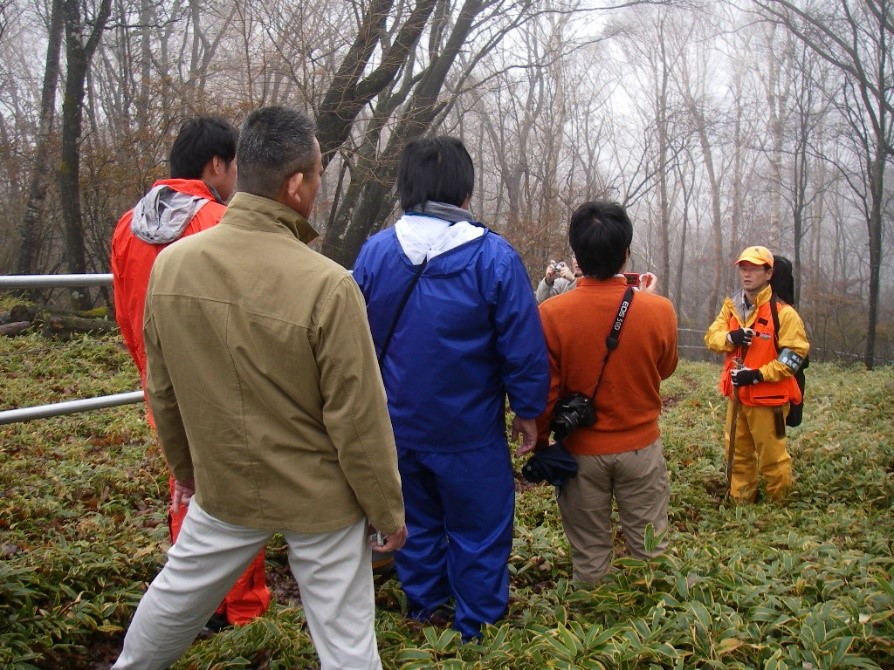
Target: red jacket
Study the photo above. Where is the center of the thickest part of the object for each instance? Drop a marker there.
(172, 209)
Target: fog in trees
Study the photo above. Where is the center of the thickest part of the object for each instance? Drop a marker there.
(717, 124)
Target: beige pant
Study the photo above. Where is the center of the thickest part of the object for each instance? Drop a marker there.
(333, 573)
(638, 482)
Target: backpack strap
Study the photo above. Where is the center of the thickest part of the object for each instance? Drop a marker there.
(400, 309)
(775, 314)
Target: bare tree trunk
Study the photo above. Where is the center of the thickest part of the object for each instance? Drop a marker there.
(806, 128)
(144, 98)
(855, 39)
(349, 91)
(40, 177)
(738, 186)
(79, 53)
(777, 104)
(701, 129)
(877, 186)
(663, 150)
(687, 191)
(5, 10)
(366, 214)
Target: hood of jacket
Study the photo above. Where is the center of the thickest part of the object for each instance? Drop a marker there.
(447, 247)
(162, 214)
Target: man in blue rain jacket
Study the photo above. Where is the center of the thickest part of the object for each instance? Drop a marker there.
(456, 328)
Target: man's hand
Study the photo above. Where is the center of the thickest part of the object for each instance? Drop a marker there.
(527, 429)
(746, 377)
(550, 275)
(648, 282)
(393, 541)
(740, 336)
(183, 493)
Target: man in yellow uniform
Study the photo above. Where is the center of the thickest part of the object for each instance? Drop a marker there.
(763, 352)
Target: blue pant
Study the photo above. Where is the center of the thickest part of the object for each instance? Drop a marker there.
(459, 510)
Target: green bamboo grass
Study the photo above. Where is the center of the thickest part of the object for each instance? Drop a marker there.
(808, 585)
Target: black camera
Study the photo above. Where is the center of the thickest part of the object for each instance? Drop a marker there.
(570, 413)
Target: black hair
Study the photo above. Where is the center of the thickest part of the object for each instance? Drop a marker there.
(438, 169)
(275, 143)
(200, 140)
(600, 234)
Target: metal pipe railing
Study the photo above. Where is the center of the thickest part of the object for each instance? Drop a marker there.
(67, 406)
(53, 281)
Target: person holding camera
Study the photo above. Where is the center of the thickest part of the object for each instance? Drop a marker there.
(456, 327)
(557, 279)
(763, 352)
(608, 405)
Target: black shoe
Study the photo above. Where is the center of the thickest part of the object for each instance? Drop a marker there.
(441, 616)
(216, 623)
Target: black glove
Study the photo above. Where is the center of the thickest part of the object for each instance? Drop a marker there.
(740, 336)
(746, 377)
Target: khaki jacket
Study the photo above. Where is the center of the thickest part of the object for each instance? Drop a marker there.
(263, 379)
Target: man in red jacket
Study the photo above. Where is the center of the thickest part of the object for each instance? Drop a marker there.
(203, 177)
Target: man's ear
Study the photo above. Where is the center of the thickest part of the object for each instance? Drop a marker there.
(218, 165)
(290, 191)
(215, 167)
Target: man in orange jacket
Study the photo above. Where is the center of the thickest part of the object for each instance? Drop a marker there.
(619, 454)
(203, 177)
(762, 354)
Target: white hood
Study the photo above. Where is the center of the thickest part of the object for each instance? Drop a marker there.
(163, 213)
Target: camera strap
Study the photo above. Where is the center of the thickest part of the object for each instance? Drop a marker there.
(611, 342)
(400, 308)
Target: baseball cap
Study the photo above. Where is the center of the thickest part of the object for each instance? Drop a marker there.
(756, 255)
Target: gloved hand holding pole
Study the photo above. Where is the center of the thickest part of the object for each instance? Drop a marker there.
(740, 337)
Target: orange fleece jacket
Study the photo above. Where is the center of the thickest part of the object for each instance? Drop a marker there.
(628, 402)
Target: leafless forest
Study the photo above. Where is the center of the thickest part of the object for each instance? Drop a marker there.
(719, 124)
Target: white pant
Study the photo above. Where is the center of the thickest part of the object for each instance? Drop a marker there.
(333, 571)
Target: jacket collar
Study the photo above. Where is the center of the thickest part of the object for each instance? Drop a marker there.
(737, 302)
(260, 213)
(764, 296)
(195, 187)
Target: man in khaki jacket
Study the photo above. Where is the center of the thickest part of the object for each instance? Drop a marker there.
(270, 409)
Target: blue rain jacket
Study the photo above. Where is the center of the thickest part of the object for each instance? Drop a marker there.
(468, 336)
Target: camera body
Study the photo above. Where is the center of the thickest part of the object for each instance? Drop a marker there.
(561, 265)
(570, 413)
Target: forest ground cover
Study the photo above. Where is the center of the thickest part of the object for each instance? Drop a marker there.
(806, 585)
